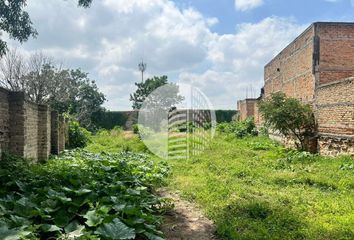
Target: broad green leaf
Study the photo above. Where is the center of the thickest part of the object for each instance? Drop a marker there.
(49, 228)
(74, 230)
(63, 217)
(12, 234)
(151, 236)
(82, 191)
(116, 230)
(93, 218)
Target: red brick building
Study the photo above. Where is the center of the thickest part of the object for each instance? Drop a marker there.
(317, 68)
(246, 108)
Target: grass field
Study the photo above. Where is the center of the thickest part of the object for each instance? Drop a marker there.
(254, 189)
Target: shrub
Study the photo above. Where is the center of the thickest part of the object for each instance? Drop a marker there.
(78, 136)
(239, 128)
(290, 117)
(142, 131)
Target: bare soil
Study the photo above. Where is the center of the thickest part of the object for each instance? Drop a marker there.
(186, 221)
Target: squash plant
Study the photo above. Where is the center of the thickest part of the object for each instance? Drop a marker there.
(81, 195)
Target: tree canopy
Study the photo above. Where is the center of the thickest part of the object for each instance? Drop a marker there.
(145, 88)
(65, 90)
(15, 21)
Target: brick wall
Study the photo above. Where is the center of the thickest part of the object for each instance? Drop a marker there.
(246, 108)
(26, 128)
(44, 131)
(4, 120)
(31, 130)
(62, 134)
(334, 111)
(17, 123)
(291, 70)
(312, 69)
(336, 44)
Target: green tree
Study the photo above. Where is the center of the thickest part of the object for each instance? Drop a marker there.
(72, 91)
(17, 23)
(145, 88)
(290, 117)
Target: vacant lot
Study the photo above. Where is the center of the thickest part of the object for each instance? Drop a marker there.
(255, 189)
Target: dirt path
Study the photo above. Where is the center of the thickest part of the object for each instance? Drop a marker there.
(186, 221)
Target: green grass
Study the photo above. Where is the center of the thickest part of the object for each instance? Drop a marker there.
(255, 189)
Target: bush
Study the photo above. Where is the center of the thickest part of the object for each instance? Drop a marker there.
(289, 117)
(239, 128)
(78, 136)
(142, 131)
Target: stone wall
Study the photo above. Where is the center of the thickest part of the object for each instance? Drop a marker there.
(334, 111)
(26, 129)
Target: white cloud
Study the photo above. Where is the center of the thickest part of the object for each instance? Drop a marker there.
(110, 38)
(244, 5)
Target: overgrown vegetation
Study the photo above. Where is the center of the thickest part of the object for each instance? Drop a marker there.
(290, 117)
(239, 128)
(78, 136)
(81, 195)
(253, 188)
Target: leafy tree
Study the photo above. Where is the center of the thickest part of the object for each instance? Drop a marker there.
(146, 88)
(65, 90)
(290, 117)
(17, 23)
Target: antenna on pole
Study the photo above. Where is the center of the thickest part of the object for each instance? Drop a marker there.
(142, 68)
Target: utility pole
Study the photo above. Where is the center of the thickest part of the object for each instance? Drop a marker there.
(142, 68)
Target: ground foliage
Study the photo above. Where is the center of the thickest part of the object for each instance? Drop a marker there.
(254, 188)
(81, 195)
(239, 128)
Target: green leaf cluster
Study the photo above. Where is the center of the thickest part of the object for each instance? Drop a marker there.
(81, 195)
(239, 128)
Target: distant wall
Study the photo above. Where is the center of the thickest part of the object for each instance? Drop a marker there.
(125, 119)
(110, 119)
(225, 115)
(247, 108)
(27, 130)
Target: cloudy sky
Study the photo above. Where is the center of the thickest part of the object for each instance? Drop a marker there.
(221, 46)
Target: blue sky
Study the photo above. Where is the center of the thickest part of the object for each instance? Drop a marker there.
(304, 11)
(220, 46)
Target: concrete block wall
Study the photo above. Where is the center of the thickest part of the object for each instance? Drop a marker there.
(27, 129)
